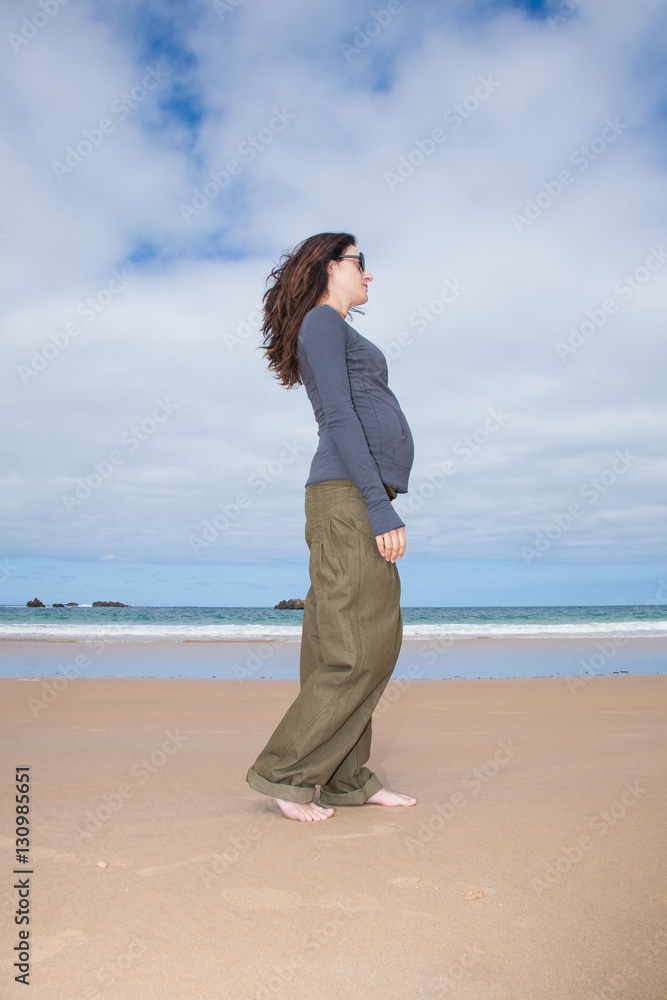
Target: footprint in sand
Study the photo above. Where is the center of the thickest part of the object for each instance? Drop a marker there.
(265, 898)
(163, 869)
(409, 882)
(414, 882)
(261, 898)
(474, 894)
(373, 831)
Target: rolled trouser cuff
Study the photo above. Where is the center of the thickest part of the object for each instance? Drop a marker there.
(280, 790)
(357, 797)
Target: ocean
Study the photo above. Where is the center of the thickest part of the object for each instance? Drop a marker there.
(263, 643)
(85, 623)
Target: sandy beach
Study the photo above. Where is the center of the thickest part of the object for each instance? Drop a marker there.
(532, 868)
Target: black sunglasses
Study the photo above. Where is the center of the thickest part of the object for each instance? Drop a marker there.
(355, 256)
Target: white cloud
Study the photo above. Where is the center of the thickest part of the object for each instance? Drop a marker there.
(554, 91)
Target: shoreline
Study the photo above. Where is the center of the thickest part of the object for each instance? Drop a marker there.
(285, 683)
(442, 637)
(271, 659)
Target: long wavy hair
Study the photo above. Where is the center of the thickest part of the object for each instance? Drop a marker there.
(298, 283)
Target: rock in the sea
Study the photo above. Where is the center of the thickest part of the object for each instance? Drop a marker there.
(71, 604)
(294, 604)
(36, 603)
(57, 605)
(109, 604)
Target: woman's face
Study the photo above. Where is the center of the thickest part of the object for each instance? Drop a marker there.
(347, 279)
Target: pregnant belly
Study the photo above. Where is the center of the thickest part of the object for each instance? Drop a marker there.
(393, 429)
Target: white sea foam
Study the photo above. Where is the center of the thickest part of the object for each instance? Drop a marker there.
(138, 632)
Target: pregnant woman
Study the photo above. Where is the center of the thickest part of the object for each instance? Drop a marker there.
(352, 626)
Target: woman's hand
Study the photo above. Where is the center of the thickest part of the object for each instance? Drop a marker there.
(392, 544)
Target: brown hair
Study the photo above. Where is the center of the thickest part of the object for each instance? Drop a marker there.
(299, 282)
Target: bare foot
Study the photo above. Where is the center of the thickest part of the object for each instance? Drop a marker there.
(385, 797)
(304, 811)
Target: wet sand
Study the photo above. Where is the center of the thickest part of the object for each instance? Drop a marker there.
(426, 659)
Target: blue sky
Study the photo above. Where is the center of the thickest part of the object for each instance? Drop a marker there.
(503, 166)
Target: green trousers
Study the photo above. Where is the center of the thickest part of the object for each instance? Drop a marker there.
(351, 638)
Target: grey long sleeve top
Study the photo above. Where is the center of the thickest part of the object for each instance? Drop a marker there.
(363, 433)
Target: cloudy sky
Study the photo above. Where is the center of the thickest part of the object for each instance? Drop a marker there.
(503, 166)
